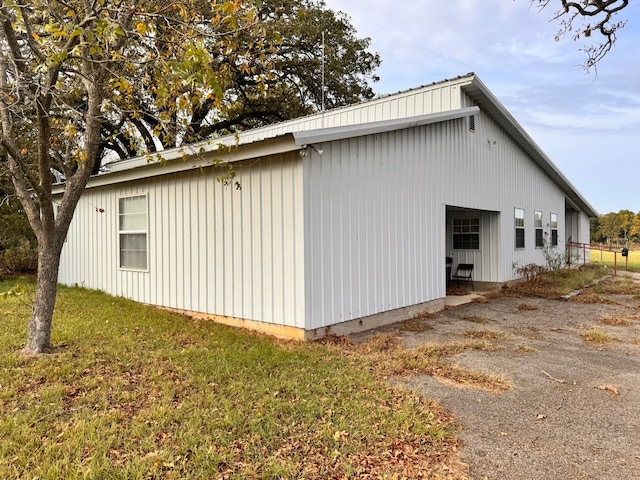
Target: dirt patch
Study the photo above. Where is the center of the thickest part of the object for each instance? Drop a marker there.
(574, 408)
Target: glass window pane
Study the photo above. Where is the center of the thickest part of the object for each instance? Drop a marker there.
(466, 233)
(135, 221)
(133, 213)
(519, 217)
(132, 217)
(133, 250)
(537, 219)
(519, 226)
(539, 238)
(133, 204)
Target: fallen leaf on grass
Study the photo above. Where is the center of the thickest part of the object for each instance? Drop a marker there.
(527, 306)
(608, 388)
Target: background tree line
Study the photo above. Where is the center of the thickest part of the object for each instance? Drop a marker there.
(621, 225)
(18, 249)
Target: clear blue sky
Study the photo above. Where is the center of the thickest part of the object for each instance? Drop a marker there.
(588, 124)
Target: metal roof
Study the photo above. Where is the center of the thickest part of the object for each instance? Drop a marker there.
(350, 131)
(274, 138)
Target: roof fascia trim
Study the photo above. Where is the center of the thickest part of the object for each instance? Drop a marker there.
(476, 87)
(340, 133)
(145, 167)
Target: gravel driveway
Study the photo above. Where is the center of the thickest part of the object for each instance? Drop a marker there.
(574, 409)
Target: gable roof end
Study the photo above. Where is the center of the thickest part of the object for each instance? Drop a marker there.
(490, 104)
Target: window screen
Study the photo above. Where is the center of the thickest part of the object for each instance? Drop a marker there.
(554, 229)
(537, 222)
(466, 233)
(519, 224)
(132, 228)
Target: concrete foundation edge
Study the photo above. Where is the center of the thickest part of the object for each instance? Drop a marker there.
(377, 320)
(339, 329)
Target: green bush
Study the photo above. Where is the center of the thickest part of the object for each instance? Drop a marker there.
(18, 248)
(15, 227)
(20, 259)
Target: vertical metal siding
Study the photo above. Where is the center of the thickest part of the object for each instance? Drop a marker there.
(584, 229)
(506, 179)
(371, 210)
(435, 98)
(212, 249)
(375, 214)
(358, 230)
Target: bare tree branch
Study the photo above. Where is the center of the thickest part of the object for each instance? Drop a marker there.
(583, 19)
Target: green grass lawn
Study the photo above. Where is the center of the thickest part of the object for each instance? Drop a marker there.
(138, 393)
(607, 258)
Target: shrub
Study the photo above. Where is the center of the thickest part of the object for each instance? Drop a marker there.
(531, 272)
(20, 259)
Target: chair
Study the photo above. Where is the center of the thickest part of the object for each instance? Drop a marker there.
(448, 263)
(463, 272)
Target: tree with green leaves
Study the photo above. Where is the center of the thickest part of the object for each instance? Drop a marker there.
(626, 221)
(610, 225)
(61, 75)
(85, 80)
(17, 241)
(15, 225)
(634, 232)
(280, 73)
(595, 21)
(594, 229)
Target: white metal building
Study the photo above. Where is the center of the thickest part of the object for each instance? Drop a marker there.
(343, 220)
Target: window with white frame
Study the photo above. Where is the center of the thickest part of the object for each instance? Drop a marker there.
(466, 234)
(554, 229)
(519, 226)
(537, 223)
(132, 230)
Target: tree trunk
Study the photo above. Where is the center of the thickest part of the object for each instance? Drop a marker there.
(39, 331)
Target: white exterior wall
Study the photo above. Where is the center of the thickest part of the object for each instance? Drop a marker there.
(505, 179)
(579, 231)
(375, 210)
(358, 230)
(369, 229)
(584, 233)
(212, 249)
(577, 226)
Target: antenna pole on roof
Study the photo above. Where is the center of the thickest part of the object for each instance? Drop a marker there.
(322, 102)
